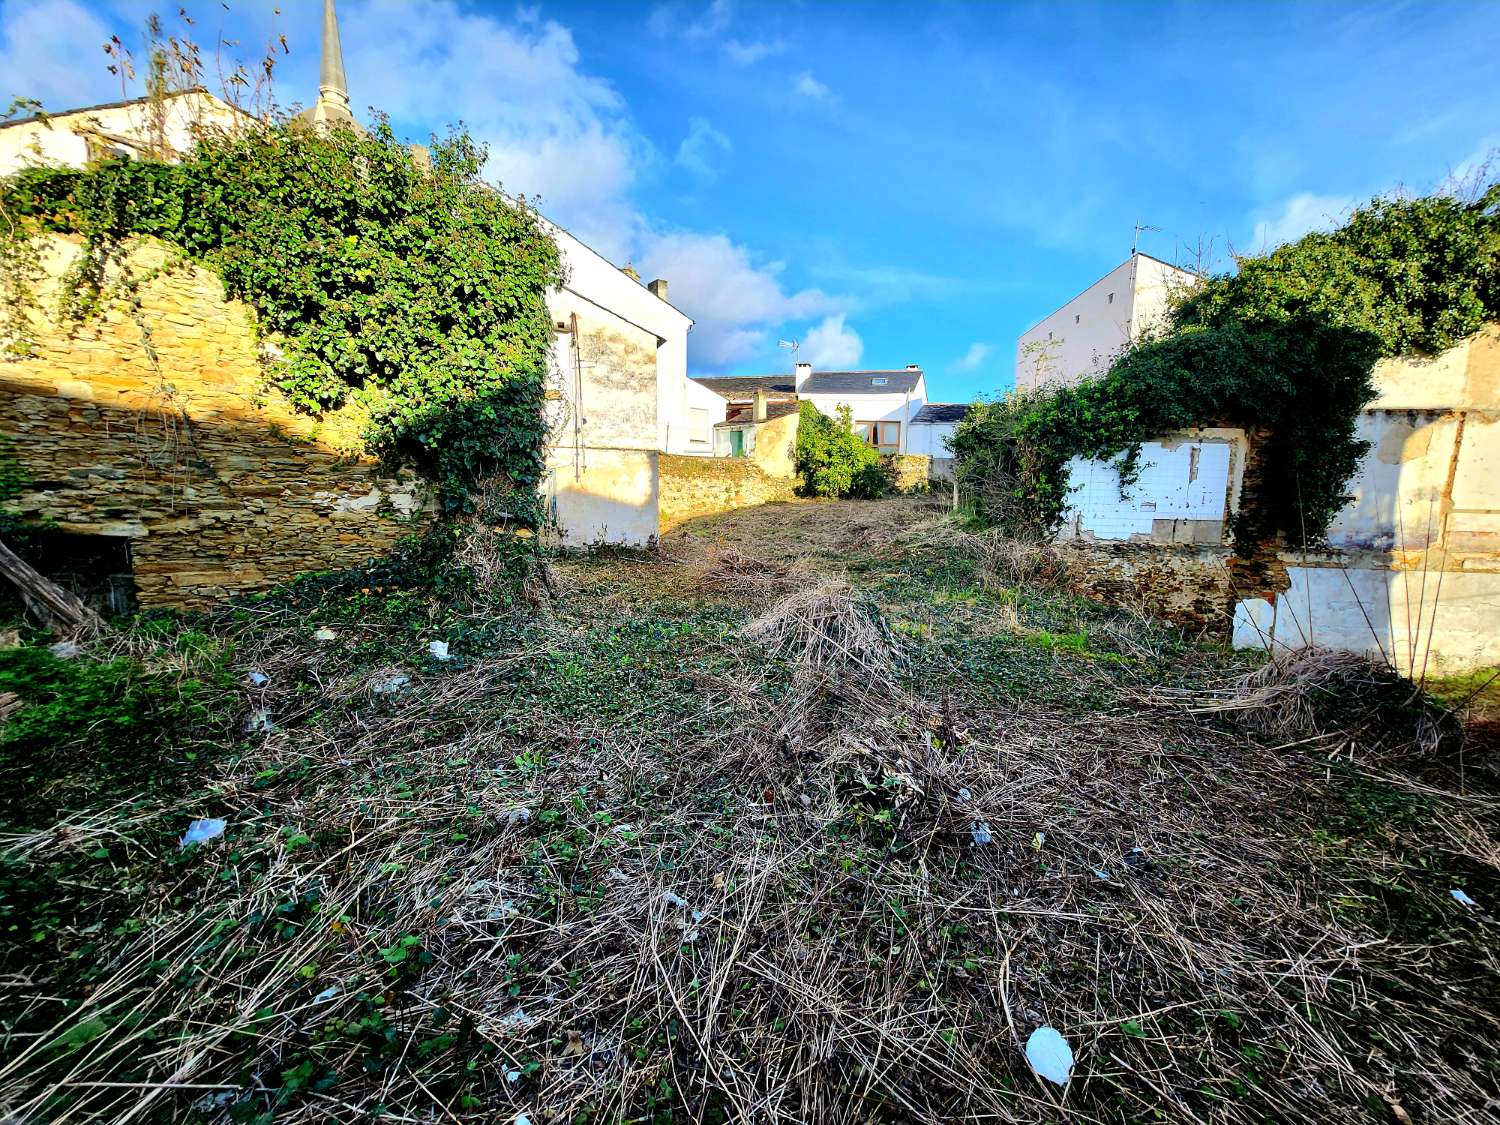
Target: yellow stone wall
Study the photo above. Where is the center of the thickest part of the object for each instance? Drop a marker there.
(219, 484)
(700, 486)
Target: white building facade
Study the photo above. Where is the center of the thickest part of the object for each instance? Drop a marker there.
(1080, 339)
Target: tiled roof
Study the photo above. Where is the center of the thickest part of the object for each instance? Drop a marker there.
(745, 386)
(937, 412)
(773, 410)
(862, 382)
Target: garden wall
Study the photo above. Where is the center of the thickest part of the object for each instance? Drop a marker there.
(700, 486)
(153, 426)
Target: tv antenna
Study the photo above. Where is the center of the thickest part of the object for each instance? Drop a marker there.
(789, 345)
(1136, 242)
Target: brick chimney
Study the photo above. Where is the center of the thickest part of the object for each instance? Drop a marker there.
(658, 288)
(760, 406)
(804, 373)
(629, 271)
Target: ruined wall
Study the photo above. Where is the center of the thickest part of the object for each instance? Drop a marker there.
(1190, 586)
(1413, 573)
(700, 486)
(216, 482)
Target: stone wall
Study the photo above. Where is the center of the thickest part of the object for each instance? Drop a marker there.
(908, 472)
(216, 482)
(700, 486)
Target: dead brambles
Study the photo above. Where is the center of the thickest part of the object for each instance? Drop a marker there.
(1340, 698)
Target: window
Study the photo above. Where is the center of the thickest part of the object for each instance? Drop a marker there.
(884, 436)
(879, 382)
(1077, 318)
(1111, 298)
(700, 428)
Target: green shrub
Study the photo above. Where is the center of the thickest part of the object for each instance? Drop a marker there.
(833, 460)
(82, 729)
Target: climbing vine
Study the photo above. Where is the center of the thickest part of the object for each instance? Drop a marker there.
(1284, 347)
(407, 287)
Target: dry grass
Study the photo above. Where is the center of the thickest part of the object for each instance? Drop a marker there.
(762, 898)
(1343, 698)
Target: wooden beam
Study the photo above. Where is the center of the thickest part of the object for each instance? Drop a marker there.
(57, 609)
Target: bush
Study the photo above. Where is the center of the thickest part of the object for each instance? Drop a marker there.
(833, 460)
(417, 292)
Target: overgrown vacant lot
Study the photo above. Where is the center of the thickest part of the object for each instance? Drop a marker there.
(813, 816)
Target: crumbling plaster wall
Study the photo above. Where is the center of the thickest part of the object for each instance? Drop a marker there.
(1413, 570)
(219, 485)
(602, 480)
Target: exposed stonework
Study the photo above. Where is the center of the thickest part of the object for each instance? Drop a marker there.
(700, 486)
(1187, 585)
(908, 472)
(217, 482)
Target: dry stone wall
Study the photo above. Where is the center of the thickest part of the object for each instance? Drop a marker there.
(700, 486)
(154, 424)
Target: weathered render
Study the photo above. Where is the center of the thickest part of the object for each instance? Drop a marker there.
(155, 429)
(1411, 572)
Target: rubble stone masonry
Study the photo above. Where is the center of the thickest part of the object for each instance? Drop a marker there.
(218, 484)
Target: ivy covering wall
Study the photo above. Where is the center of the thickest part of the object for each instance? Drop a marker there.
(1284, 347)
(417, 292)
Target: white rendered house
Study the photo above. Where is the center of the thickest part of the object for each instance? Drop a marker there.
(1080, 339)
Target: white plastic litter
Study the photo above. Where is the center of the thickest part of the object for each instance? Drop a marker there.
(201, 831)
(1049, 1055)
(1463, 899)
(389, 682)
(517, 816)
(325, 634)
(980, 830)
(964, 794)
(521, 1119)
(258, 678)
(326, 995)
(439, 650)
(672, 899)
(1101, 874)
(65, 650)
(259, 722)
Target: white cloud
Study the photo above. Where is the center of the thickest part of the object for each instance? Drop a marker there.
(831, 345)
(1480, 165)
(974, 357)
(552, 129)
(743, 53)
(702, 148)
(691, 23)
(810, 87)
(50, 51)
(1301, 214)
(733, 301)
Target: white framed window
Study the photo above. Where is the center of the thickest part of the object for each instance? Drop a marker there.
(879, 382)
(884, 436)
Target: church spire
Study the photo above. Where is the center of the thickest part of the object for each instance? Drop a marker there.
(331, 83)
(332, 106)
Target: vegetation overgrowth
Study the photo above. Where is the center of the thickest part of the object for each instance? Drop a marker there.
(1284, 347)
(832, 461)
(816, 829)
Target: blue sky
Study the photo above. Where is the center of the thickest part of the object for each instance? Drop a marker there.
(889, 184)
